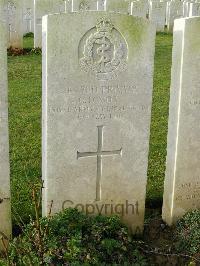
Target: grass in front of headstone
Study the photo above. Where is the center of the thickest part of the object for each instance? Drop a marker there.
(25, 124)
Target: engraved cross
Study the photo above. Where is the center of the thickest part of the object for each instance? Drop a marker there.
(99, 154)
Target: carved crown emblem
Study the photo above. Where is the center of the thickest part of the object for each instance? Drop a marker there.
(104, 26)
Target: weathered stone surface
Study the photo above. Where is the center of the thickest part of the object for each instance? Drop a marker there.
(28, 8)
(42, 8)
(97, 94)
(11, 14)
(84, 5)
(67, 6)
(186, 8)
(139, 8)
(101, 5)
(157, 14)
(118, 6)
(182, 184)
(194, 9)
(5, 212)
(174, 11)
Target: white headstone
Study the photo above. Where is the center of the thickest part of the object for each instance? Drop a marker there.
(101, 5)
(157, 13)
(84, 5)
(118, 6)
(182, 184)
(67, 5)
(42, 8)
(5, 209)
(12, 15)
(194, 10)
(97, 94)
(175, 11)
(186, 9)
(167, 13)
(28, 23)
(139, 8)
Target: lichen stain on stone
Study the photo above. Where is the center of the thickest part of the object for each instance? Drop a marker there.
(119, 5)
(134, 29)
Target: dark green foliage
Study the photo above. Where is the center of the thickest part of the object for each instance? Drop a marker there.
(72, 238)
(29, 34)
(188, 233)
(37, 51)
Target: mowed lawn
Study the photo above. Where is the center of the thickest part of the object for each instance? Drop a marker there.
(25, 83)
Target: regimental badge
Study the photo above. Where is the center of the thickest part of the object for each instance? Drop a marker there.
(103, 51)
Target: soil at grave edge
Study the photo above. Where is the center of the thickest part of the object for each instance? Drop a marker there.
(159, 241)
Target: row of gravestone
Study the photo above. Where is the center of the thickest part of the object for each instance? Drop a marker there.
(26, 15)
(17, 15)
(97, 96)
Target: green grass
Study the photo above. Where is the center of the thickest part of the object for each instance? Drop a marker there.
(25, 128)
(25, 124)
(28, 41)
(159, 123)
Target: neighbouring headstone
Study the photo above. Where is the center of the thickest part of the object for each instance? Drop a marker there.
(182, 181)
(118, 6)
(157, 14)
(175, 11)
(28, 8)
(5, 209)
(84, 5)
(186, 9)
(97, 94)
(42, 8)
(139, 8)
(11, 13)
(194, 9)
(167, 14)
(101, 5)
(67, 5)
(27, 21)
